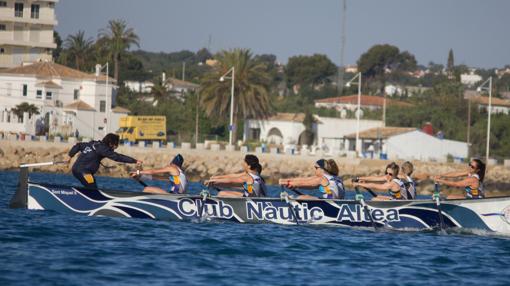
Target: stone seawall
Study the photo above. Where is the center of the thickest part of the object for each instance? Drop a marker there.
(201, 164)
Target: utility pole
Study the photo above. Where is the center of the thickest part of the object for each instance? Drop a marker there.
(469, 128)
(183, 71)
(341, 69)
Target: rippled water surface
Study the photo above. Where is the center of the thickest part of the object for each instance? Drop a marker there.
(43, 247)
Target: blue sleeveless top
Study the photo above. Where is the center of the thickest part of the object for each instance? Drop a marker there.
(334, 189)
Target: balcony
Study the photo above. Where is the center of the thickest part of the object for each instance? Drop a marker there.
(27, 44)
(34, 21)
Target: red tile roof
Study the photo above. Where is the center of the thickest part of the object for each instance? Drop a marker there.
(495, 101)
(366, 100)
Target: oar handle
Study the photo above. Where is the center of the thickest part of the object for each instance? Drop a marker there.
(42, 164)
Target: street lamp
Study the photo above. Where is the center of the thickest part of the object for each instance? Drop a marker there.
(479, 89)
(348, 84)
(99, 68)
(231, 126)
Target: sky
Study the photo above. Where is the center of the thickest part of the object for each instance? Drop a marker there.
(476, 30)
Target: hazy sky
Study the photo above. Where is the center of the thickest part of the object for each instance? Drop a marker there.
(476, 30)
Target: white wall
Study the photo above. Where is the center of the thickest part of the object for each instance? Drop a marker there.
(290, 130)
(331, 131)
(421, 146)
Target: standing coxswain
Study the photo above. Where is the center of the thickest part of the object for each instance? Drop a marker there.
(91, 154)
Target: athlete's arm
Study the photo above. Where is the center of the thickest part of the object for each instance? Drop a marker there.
(373, 178)
(229, 176)
(467, 182)
(168, 170)
(308, 182)
(455, 174)
(75, 149)
(112, 155)
(381, 187)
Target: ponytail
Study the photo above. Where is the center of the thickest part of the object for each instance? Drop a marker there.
(481, 169)
(331, 167)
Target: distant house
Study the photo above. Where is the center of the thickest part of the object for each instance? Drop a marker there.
(139, 86)
(498, 105)
(351, 69)
(351, 102)
(180, 86)
(407, 144)
(70, 98)
(470, 79)
(288, 129)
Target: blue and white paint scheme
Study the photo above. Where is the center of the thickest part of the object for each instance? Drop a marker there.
(490, 214)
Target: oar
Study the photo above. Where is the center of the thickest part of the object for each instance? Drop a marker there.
(42, 164)
(361, 200)
(284, 195)
(356, 179)
(436, 197)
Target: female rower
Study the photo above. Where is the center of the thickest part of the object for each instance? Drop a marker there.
(406, 170)
(249, 180)
(326, 178)
(472, 182)
(177, 177)
(393, 184)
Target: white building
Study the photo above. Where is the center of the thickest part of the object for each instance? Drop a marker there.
(288, 129)
(407, 144)
(69, 99)
(498, 105)
(139, 86)
(350, 102)
(470, 79)
(26, 31)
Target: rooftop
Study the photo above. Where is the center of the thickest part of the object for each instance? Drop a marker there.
(79, 105)
(51, 70)
(381, 132)
(495, 101)
(366, 100)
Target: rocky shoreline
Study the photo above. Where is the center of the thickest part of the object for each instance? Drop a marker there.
(201, 164)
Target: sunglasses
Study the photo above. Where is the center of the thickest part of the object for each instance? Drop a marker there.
(316, 167)
(471, 166)
(387, 173)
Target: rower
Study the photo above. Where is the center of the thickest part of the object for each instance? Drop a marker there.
(393, 184)
(176, 178)
(326, 179)
(250, 180)
(91, 154)
(472, 182)
(407, 170)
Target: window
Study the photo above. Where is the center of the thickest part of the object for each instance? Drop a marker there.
(2, 50)
(25, 90)
(3, 4)
(34, 11)
(18, 10)
(2, 27)
(38, 94)
(76, 94)
(51, 5)
(49, 95)
(102, 106)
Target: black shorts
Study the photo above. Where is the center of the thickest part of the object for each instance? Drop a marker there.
(86, 179)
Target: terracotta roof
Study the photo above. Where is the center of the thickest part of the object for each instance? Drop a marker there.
(365, 100)
(178, 82)
(118, 109)
(381, 132)
(49, 84)
(495, 101)
(49, 70)
(79, 105)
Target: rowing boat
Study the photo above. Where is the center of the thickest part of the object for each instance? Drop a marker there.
(489, 214)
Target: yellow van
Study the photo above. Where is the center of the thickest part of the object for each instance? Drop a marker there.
(142, 128)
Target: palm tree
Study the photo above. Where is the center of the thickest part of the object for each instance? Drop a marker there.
(117, 38)
(25, 107)
(159, 91)
(78, 48)
(251, 87)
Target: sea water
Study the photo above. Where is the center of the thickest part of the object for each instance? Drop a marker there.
(47, 248)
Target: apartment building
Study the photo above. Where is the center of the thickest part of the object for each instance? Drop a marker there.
(26, 31)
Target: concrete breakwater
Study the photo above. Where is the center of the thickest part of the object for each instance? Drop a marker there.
(201, 164)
